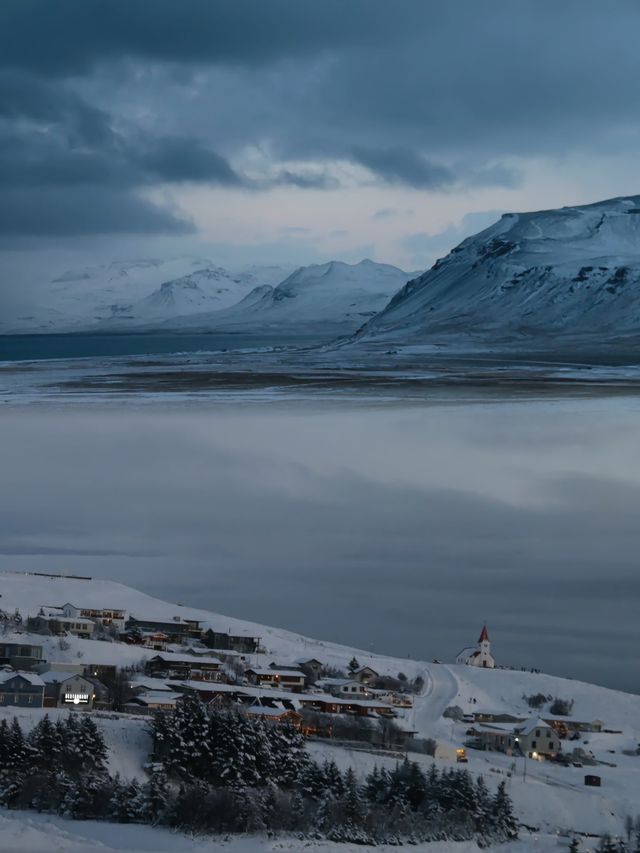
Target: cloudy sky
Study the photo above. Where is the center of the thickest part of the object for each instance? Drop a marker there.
(289, 131)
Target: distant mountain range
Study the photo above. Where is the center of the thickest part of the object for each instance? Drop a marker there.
(532, 279)
(543, 277)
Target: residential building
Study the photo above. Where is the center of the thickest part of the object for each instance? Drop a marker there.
(536, 738)
(478, 655)
(20, 655)
(312, 666)
(287, 679)
(21, 689)
(150, 701)
(177, 629)
(197, 667)
(275, 715)
(106, 615)
(366, 675)
(244, 643)
(533, 738)
(68, 690)
(60, 624)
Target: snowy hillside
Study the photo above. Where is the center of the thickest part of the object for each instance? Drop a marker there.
(547, 795)
(332, 298)
(574, 271)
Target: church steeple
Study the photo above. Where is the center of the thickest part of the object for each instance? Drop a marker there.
(484, 635)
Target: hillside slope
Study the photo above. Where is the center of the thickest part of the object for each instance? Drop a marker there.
(572, 272)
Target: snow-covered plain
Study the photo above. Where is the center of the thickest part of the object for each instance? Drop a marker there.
(552, 798)
(27, 832)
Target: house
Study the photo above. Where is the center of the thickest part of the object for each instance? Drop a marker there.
(288, 679)
(496, 717)
(149, 702)
(312, 666)
(156, 640)
(536, 738)
(276, 715)
(177, 629)
(244, 643)
(344, 687)
(168, 665)
(67, 690)
(106, 615)
(356, 707)
(22, 689)
(59, 624)
(478, 655)
(533, 738)
(20, 655)
(366, 675)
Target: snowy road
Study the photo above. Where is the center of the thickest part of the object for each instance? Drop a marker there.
(440, 688)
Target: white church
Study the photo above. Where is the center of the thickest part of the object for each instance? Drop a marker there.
(480, 654)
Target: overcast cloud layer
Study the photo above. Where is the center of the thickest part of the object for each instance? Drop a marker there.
(284, 128)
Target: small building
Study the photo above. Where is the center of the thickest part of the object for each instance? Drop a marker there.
(21, 689)
(355, 707)
(478, 655)
(287, 679)
(23, 656)
(276, 715)
(345, 687)
(536, 738)
(113, 616)
(156, 640)
(150, 701)
(366, 675)
(67, 690)
(532, 738)
(177, 630)
(245, 643)
(312, 666)
(197, 667)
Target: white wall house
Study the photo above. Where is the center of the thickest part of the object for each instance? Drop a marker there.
(478, 655)
(106, 615)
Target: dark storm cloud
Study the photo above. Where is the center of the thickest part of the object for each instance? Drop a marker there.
(401, 165)
(83, 211)
(433, 96)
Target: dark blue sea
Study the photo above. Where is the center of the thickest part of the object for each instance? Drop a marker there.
(39, 347)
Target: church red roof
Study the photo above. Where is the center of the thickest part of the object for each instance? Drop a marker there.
(484, 636)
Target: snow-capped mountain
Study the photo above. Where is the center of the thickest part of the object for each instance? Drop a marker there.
(332, 298)
(574, 271)
(210, 289)
(121, 294)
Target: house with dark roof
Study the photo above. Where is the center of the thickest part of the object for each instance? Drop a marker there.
(21, 689)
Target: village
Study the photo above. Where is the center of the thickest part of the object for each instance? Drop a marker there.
(181, 657)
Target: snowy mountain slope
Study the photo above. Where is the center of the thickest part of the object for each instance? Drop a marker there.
(574, 271)
(335, 295)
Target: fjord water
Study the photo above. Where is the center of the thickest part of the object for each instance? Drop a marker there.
(396, 527)
(90, 345)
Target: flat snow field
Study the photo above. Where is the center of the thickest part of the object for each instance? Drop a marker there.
(27, 832)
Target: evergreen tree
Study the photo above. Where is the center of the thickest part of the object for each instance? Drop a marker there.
(506, 826)
(354, 666)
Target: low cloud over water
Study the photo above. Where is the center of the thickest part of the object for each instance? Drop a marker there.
(400, 529)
